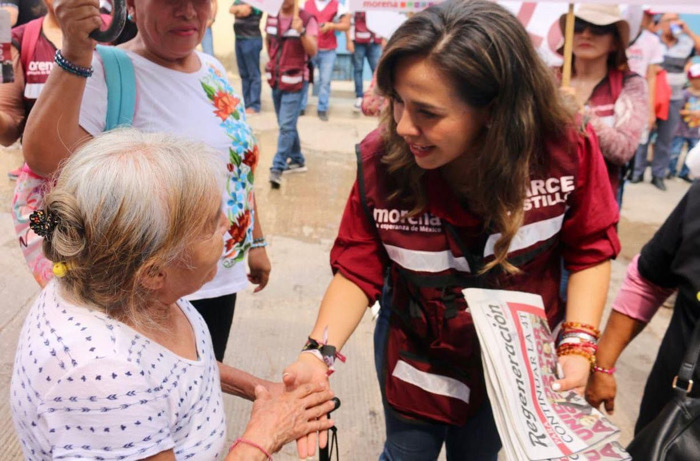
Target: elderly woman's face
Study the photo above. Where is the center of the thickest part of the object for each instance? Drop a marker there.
(171, 29)
(201, 260)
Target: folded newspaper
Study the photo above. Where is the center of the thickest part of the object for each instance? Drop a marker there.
(520, 365)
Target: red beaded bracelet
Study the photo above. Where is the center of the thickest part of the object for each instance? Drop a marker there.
(607, 371)
(252, 444)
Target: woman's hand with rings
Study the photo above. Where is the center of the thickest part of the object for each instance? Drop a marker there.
(308, 370)
(78, 18)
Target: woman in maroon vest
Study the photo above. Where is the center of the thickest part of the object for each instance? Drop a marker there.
(33, 47)
(478, 176)
(609, 95)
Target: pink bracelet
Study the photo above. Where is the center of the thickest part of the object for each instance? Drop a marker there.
(252, 444)
(607, 371)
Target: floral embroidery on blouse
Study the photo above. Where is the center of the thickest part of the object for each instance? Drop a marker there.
(243, 158)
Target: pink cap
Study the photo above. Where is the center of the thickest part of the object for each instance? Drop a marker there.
(694, 71)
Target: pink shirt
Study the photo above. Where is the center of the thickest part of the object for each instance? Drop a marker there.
(638, 297)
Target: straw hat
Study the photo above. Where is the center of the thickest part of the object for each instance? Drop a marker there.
(600, 15)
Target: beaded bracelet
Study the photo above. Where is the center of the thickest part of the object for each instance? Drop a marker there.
(252, 444)
(578, 325)
(607, 371)
(258, 245)
(590, 357)
(588, 347)
(63, 63)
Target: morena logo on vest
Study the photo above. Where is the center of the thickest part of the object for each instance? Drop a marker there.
(40, 67)
(399, 220)
(548, 192)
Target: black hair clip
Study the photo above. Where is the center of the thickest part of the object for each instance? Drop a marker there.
(43, 223)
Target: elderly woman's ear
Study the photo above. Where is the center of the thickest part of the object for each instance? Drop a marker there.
(152, 278)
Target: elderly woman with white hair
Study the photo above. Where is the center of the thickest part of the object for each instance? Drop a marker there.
(112, 363)
(174, 89)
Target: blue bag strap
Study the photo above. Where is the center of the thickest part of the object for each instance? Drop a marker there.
(121, 86)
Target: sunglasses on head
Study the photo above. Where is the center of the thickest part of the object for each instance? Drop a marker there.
(580, 25)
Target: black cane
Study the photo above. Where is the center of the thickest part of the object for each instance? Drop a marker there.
(115, 28)
(324, 454)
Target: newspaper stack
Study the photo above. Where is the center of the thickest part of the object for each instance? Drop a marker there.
(520, 365)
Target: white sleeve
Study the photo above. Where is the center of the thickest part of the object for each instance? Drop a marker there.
(93, 109)
(657, 53)
(106, 409)
(692, 160)
(342, 10)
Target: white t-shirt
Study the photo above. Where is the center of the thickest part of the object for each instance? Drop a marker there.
(646, 50)
(87, 386)
(201, 106)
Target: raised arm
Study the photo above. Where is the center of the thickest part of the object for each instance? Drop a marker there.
(53, 130)
(11, 104)
(341, 310)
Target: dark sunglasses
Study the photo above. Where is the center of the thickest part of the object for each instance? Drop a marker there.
(580, 25)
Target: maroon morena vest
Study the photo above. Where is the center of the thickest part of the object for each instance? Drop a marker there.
(433, 364)
(602, 103)
(327, 40)
(286, 68)
(363, 35)
(36, 57)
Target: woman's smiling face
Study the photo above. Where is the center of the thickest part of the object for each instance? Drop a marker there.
(437, 125)
(171, 29)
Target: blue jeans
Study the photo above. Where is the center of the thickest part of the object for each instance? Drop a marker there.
(371, 51)
(248, 60)
(478, 439)
(208, 42)
(323, 61)
(287, 104)
(662, 147)
(676, 148)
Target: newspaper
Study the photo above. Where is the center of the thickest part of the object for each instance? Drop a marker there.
(520, 365)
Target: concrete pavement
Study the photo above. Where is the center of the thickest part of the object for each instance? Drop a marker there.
(300, 221)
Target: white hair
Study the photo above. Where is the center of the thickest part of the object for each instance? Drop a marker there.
(129, 202)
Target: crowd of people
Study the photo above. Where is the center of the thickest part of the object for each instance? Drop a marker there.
(501, 178)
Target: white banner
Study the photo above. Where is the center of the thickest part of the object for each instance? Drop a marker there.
(271, 7)
(677, 6)
(401, 6)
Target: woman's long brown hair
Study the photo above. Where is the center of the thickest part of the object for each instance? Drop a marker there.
(482, 49)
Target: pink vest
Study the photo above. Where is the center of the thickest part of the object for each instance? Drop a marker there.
(327, 40)
(362, 34)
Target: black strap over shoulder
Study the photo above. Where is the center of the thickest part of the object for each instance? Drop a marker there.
(684, 380)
